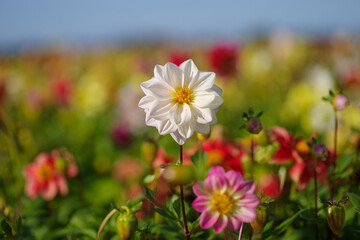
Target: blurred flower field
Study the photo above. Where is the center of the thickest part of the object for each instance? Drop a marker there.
(74, 144)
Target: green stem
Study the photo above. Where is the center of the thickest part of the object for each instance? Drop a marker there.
(187, 234)
(252, 173)
(106, 219)
(332, 184)
(316, 205)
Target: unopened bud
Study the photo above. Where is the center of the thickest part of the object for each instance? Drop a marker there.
(146, 235)
(149, 150)
(126, 223)
(202, 137)
(179, 174)
(340, 102)
(336, 218)
(261, 218)
(61, 165)
(254, 125)
(320, 151)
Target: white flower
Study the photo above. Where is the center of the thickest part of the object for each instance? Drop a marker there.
(181, 100)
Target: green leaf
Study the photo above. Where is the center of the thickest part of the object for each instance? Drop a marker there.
(164, 228)
(6, 228)
(18, 224)
(150, 196)
(165, 213)
(251, 111)
(273, 233)
(355, 200)
(177, 208)
(245, 116)
(343, 163)
(259, 114)
(136, 207)
(199, 160)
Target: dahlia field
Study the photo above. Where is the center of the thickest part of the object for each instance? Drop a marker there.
(258, 139)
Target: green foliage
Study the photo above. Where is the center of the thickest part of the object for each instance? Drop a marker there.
(355, 200)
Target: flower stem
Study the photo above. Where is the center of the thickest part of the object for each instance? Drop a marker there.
(241, 230)
(106, 219)
(332, 185)
(187, 234)
(252, 173)
(225, 235)
(252, 156)
(316, 206)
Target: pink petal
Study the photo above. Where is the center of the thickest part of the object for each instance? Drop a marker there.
(62, 186)
(249, 200)
(217, 171)
(199, 190)
(234, 177)
(216, 180)
(208, 219)
(244, 188)
(246, 214)
(201, 204)
(221, 223)
(31, 189)
(50, 191)
(234, 224)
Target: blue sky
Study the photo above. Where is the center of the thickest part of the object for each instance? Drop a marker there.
(89, 20)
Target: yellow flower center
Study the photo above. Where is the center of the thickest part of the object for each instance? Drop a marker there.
(183, 95)
(214, 158)
(45, 172)
(222, 203)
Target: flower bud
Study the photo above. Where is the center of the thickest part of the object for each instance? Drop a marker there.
(149, 150)
(126, 224)
(336, 218)
(320, 151)
(179, 174)
(146, 235)
(261, 218)
(202, 137)
(340, 102)
(61, 165)
(254, 125)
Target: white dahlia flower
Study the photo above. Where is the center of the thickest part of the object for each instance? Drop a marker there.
(181, 100)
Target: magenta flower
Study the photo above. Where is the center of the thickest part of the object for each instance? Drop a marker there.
(225, 200)
(340, 102)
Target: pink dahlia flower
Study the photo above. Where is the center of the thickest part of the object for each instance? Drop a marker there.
(225, 200)
(42, 178)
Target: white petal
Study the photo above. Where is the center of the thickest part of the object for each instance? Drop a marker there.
(145, 85)
(205, 81)
(202, 115)
(190, 72)
(202, 128)
(217, 89)
(159, 72)
(187, 130)
(180, 114)
(203, 99)
(160, 109)
(178, 138)
(160, 90)
(166, 127)
(150, 121)
(173, 75)
(208, 99)
(146, 101)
